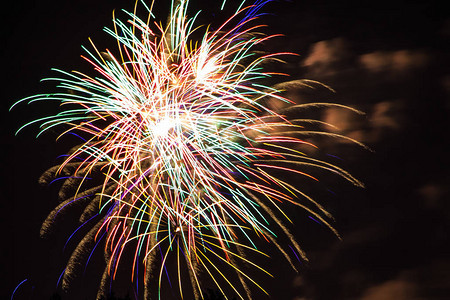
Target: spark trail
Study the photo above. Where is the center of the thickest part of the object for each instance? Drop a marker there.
(187, 150)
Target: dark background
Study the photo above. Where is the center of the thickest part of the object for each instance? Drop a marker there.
(386, 58)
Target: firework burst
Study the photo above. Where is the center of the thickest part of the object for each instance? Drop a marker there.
(187, 149)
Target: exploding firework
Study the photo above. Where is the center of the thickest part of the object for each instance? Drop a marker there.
(182, 153)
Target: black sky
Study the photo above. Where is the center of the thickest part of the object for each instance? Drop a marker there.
(387, 58)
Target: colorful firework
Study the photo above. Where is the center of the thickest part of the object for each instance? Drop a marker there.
(187, 150)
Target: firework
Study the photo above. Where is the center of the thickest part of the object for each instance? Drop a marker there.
(179, 131)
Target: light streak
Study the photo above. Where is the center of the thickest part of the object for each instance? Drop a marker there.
(178, 128)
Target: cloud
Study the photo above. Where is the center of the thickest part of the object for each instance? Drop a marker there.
(397, 289)
(434, 196)
(399, 62)
(383, 119)
(325, 56)
(346, 122)
(429, 281)
(334, 58)
(386, 118)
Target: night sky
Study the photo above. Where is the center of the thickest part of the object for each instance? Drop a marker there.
(386, 58)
